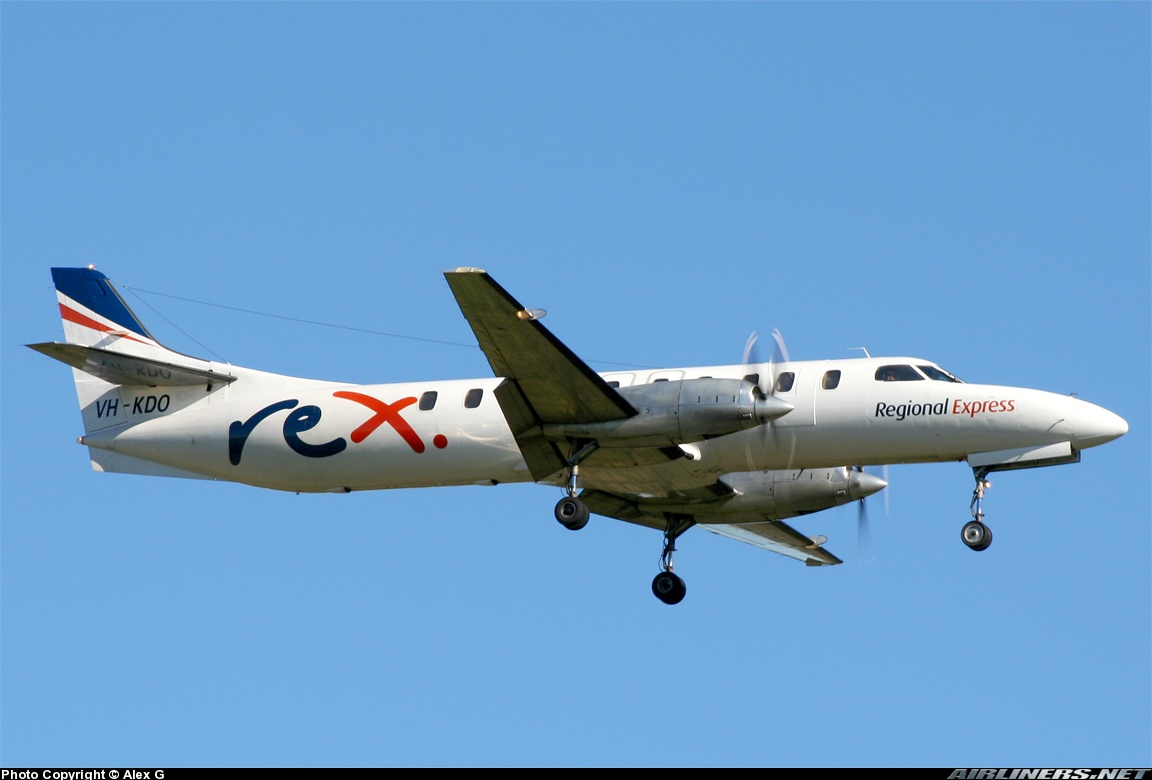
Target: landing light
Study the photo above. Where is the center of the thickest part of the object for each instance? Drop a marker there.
(531, 314)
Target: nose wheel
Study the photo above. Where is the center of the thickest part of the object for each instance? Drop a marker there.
(974, 533)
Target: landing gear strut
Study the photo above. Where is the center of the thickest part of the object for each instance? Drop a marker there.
(571, 512)
(974, 533)
(667, 586)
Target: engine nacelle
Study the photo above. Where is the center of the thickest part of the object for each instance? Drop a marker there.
(680, 411)
(790, 493)
(777, 495)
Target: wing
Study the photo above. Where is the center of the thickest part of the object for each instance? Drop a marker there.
(751, 528)
(558, 386)
(779, 537)
(546, 381)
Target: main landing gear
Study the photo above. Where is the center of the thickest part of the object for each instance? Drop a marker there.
(667, 586)
(571, 512)
(974, 533)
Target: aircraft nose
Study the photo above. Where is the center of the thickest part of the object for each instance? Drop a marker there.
(1094, 425)
(861, 484)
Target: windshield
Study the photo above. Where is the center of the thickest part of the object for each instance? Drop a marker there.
(897, 374)
(939, 374)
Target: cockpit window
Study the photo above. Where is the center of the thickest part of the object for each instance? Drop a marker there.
(938, 374)
(784, 382)
(897, 374)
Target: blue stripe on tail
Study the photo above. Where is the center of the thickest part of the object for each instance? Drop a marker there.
(90, 288)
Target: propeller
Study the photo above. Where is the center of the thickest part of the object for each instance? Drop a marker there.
(752, 361)
(769, 407)
(861, 483)
(765, 370)
(864, 484)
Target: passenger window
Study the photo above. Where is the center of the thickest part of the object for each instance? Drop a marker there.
(753, 378)
(428, 400)
(897, 374)
(472, 399)
(831, 380)
(660, 379)
(619, 380)
(784, 382)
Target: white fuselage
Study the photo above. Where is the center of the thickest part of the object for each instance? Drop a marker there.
(311, 436)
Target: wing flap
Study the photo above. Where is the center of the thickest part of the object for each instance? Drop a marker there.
(778, 537)
(773, 535)
(542, 456)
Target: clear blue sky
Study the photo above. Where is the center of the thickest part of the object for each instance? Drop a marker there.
(965, 182)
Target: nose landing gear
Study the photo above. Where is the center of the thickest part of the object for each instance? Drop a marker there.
(572, 513)
(974, 533)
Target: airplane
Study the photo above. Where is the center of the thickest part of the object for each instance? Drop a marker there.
(733, 449)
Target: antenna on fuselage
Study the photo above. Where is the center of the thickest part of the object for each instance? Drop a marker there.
(865, 350)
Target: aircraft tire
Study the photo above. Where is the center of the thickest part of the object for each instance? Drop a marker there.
(976, 535)
(572, 513)
(669, 588)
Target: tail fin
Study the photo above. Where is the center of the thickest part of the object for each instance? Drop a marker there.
(93, 312)
(107, 340)
(123, 376)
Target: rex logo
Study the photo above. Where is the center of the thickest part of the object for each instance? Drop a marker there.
(307, 417)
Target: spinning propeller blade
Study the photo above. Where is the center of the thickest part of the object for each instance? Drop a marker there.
(753, 365)
(866, 484)
(765, 370)
(765, 379)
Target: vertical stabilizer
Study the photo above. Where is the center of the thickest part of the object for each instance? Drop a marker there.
(123, 376)
(93, 312)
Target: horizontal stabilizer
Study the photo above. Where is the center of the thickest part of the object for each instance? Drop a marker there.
(121, 369)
